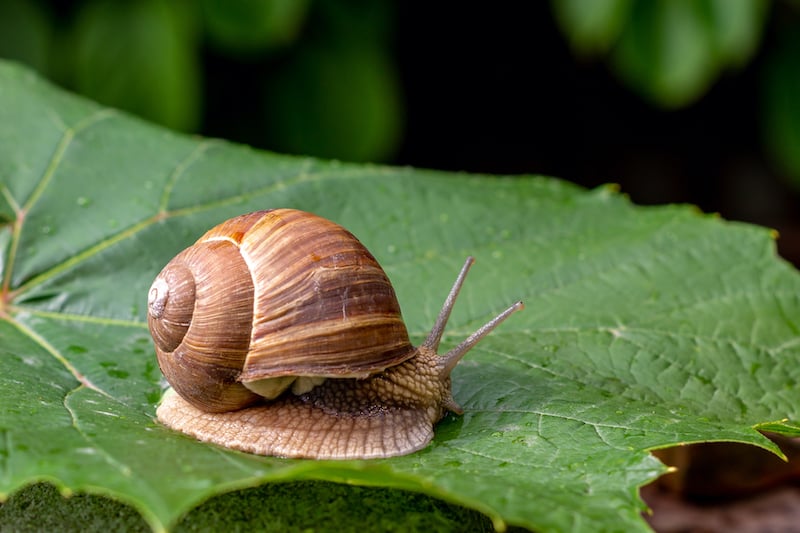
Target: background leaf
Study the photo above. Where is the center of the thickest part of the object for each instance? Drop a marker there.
(139, 56)
(247, 27)
(781, 110)
(339, 94)
(25, 32)
(591, 26)
(669, 51)
(644, 327)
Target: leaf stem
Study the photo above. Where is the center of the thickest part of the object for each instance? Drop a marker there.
(16, 225)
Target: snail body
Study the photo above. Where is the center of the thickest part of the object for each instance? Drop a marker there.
(280, 334)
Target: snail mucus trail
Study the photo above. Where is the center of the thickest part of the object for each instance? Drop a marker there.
(280, 334)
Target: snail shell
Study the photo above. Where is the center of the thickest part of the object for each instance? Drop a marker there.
(283, 299)
(267, 297)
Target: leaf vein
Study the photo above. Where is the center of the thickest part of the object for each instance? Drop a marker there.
(123, 469)
(57, 355)
(71, 317)
(181, 168)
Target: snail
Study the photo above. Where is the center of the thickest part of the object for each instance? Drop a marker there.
(280, 334)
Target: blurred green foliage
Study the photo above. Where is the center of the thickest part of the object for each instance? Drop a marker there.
(327, 82)
(328, 85)
(140, 56)
(672, 51)
(781, 103)
(253, 26)
(25, 33)
(339, 96)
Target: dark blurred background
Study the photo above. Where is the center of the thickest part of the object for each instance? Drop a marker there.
(694, 101)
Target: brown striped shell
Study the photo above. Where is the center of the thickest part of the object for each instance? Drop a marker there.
(269, 297)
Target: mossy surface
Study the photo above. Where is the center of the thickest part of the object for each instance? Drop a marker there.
(284, 507)
(41, 507)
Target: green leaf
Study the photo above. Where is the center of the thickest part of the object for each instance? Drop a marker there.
(737, 27)
(780, 108)
(25, 33)
(139, 56)
(591, 26)
(670, 51)
(644, 328)
(245, 26)
(336, 99)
